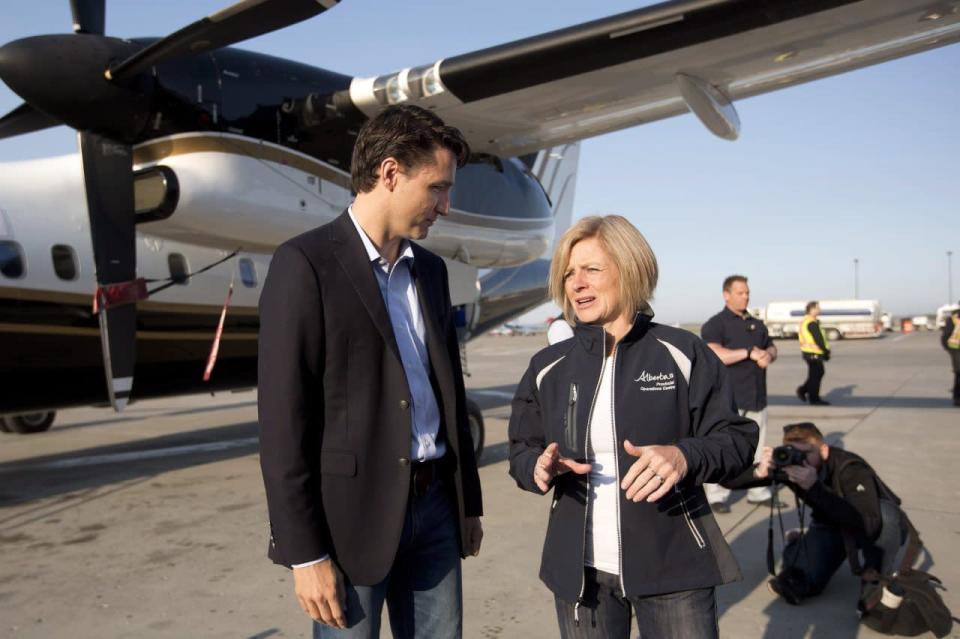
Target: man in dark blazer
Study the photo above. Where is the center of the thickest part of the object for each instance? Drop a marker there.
(371, 481)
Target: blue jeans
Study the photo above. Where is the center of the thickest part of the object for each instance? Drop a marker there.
(423, 589)
(821, 551)
(605, 613)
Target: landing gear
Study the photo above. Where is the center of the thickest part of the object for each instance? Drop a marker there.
(28, 423)
(475, 420)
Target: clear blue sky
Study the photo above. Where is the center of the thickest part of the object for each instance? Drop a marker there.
(862, 165)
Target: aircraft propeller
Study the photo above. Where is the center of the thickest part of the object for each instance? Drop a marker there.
(72, 79)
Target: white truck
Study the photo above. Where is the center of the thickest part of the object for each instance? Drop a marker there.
(943, 312)
(838, 318)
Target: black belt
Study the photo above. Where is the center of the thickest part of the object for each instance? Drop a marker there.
(423, 474)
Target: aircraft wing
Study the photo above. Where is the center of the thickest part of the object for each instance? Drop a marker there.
(630, 68)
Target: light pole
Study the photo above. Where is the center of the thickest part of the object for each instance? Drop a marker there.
(950, 299)
(856, 278)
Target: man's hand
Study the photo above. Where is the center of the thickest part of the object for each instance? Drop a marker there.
(550, 464)
(319, 589)
(474, 535)
(657, 470)
(803, 476)
(761, 357)
(765, 465)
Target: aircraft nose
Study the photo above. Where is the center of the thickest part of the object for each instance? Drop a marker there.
(9, 54)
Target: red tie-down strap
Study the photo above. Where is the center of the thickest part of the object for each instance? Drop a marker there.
(215, 349)
(110, 295)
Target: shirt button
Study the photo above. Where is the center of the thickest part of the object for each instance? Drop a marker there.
(404, 461)
(404, 404)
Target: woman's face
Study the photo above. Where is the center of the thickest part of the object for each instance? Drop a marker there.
(592, 283)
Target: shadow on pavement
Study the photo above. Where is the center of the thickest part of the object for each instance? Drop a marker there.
(50, 475)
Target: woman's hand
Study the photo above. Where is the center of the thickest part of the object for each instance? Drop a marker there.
(550, 464)
(657, 470)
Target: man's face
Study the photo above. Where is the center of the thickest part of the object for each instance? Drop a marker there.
(816, 453)
(737, 297)
(422, 194)
(815, 311)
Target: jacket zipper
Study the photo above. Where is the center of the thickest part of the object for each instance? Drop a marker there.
(570, 434)
(616, 460)
(697, 537)
(586, 510)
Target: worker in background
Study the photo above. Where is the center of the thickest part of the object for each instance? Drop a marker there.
(816, 351)
(950, 338)
(743, 344)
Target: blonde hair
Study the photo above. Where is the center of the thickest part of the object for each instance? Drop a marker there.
(628, 250)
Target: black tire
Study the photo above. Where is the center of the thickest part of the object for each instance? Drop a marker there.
(833, 334)
(29, 423)
(3, 426)
(475, 421)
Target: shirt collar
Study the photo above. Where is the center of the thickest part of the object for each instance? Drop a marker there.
(746, 314)
(406, 251)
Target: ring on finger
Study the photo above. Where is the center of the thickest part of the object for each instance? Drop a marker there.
(661, 478)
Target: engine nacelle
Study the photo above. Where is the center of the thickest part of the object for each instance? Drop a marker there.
(237, 192)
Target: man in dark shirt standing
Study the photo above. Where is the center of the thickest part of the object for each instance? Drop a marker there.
(742, 343)
(950, 339)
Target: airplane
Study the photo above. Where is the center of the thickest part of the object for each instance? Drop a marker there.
(193, 149)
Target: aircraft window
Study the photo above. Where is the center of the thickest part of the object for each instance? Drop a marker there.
(11, 259)
(64, 261)
(248, 272)
(178, 268)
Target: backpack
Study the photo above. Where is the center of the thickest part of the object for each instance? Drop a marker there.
(906, 605)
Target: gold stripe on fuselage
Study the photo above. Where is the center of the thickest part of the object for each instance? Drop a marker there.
(62, 297)
(76, 331)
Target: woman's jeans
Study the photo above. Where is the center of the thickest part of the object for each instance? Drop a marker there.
(605, 613)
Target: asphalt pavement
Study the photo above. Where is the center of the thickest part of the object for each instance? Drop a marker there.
(152, 523)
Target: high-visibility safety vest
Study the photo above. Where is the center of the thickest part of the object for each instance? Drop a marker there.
(807, 343)
(954, 340)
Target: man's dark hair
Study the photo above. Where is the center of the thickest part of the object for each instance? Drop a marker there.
(408, 133)
(802, 432)
(727, 283)
(811, 305)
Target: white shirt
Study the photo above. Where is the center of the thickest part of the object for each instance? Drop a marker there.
(602, 549)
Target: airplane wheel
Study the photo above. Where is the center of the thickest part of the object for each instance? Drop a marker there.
(833, 334)
(29, 423)
(475, 419)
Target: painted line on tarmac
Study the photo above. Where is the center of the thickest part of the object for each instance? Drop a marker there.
(95, 460)
(904, 336)
(491, 393)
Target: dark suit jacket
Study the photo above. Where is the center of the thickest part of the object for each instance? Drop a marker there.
(334, 409)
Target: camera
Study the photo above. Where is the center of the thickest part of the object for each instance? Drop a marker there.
(787, 455)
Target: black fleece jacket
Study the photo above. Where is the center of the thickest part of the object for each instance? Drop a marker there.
(669, 388)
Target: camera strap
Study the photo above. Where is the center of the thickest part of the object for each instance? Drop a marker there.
(774, 502)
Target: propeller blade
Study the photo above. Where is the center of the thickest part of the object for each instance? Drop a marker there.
(24, 119)
(241, 21)
(88, 16)
(108, 178)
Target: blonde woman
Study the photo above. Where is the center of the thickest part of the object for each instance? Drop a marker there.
(624, 423)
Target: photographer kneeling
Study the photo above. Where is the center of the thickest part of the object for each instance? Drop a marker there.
(853, 510)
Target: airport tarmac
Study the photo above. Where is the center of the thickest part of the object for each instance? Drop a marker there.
(152, 523)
